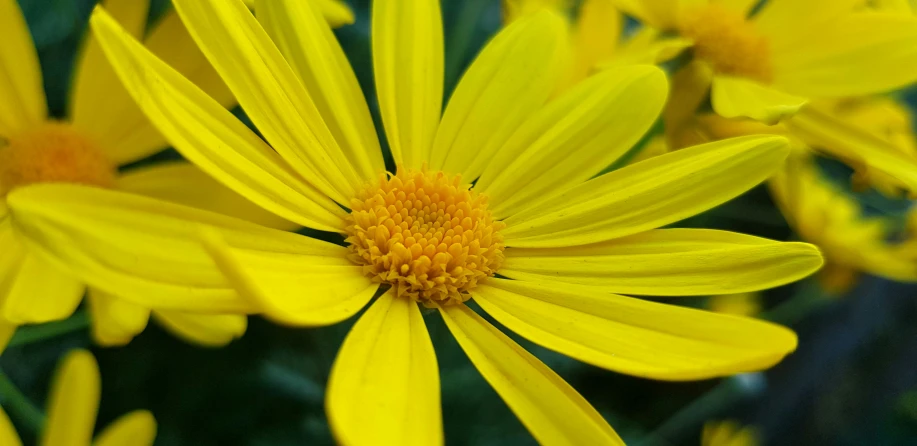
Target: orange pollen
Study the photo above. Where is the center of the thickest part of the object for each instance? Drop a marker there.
(426, 234)
(53, 152)
(728, 41)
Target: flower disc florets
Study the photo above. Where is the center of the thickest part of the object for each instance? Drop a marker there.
(728, 42)
(53, 153)
(425, 233)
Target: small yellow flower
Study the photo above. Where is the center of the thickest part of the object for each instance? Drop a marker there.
(103, 129)
(538, 241)
(72, 408)
(728, 433)
(767, 65)
(823, 215)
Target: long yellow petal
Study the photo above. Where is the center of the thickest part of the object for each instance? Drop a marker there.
(634, 336)
(314, 285)
(184, 183)
(854, 145)
(270, 92)
(115, 321)
(574, 137)
(111, 114)
(648, 194)
(548, 407)
(209, 330)
(8, 434)
(386, 367)
(98, 103)
(670, 262)
(208, 134)
(336, 12)
(138, 248)
(735, 97)
(508, 81)
(856, 55)
(597, 33)
(784, 21)
(137, 428)
(74, 401)
(407, 41)
(7, 330)
(307, 43)
(21, 90)
(40, 292)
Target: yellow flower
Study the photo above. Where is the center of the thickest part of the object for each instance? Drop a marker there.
(537, 242)
(728, 433)
(833, 221)
(768, 65)
(103, 129)
(72, 407)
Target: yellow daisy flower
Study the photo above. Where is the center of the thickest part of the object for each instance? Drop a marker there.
(833, 221)
(72, 408)
(103, 129)
(767, 65)
(539, 242)
(728, 433)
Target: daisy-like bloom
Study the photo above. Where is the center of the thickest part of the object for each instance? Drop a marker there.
(539, 242)
(851, 242)
(767, 65)
(72, 408)
(103, 129)
(728, 433)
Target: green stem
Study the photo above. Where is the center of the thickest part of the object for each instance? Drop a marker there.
(35, 333)
(20, 406)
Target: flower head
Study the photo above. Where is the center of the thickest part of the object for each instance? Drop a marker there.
(545, 239)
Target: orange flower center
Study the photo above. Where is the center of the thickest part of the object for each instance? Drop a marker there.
(426, 234)
(53, 153)
(728, 41)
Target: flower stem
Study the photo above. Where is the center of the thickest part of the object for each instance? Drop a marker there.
(20, 406)
(35, 333)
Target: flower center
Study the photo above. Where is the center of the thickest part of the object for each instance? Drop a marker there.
(54, 152)
(728, 41)
(425, 233)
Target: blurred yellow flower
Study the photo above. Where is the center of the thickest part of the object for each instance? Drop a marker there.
(728, 433)
(562, 241)
(739, 304)
(104, 129)
(825, 216)
(72, 408)
(766, 65)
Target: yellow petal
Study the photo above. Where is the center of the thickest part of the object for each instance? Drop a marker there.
(208, 135)
(735, 97)
(115, 321)
(74, 401)
(314, 284)
(648, 194)
(40, 292)
(647, 46)
(110, 112)
(209, 330)
(507, 82)
(8, 434)
(7, 330)
(336, 12)
(21, 90)
(574, 137)
(670, 262)
(99, 104)
(186, 184)
(785, 21)
(386, 367)
(690, 88)
(634, 336)
(742, 7)
(854, 145)
(270, 93)
(407, 42)
(855, 55)
(137, 428)
(660, 14)
(307, 43)
(138, 248)
(548, 407)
